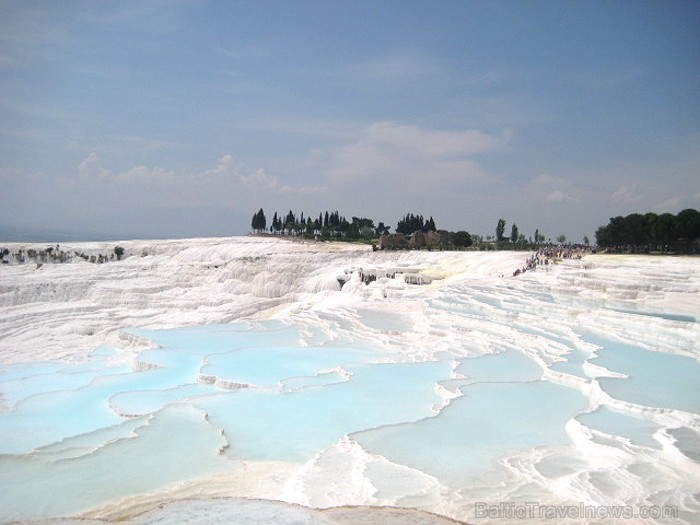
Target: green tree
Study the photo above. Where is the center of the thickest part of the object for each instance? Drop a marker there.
(617, 231)
(500, 228)
(602, 236)
(651, 231)
(414, 223)
(277, 223)
(688, 224)
(665, 229)
(382, 229)
(637, 228)
(259, 223)
(462, 239)
(118, 251)
(254, 222)
(561, 239)
(514, 233)
(289, 222)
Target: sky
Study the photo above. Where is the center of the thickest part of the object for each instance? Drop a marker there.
(160, 119)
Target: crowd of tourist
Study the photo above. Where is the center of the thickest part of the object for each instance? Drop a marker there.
(548, 254)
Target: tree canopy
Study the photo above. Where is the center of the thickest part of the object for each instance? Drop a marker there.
(500, 228)
(651, 232)
(462, 239)
(415, 223)
(259, 222)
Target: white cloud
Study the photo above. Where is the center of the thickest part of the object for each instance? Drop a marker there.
(91, 167)
(669, 205)
(224, 178)
(627, 195)
(558, 196)
(400, 155)
(224, 166)
(554, 189)
(260, 180)
(434, 143)
(155, 175)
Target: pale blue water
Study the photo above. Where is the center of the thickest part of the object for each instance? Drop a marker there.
(271, 366)
(656, 379)
(83, 435)
(573, 363)
(659, 315)
(508, 366)
(293, 426)
(67, 421)
(490, 421)
(505, 409)
(638, 430)
(22, 382)
(177, 445)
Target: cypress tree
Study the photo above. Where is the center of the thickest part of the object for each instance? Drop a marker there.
(258, 221)
(500, 228)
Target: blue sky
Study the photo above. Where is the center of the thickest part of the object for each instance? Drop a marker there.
(178, 118)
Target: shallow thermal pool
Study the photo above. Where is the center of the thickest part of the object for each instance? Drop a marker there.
(501, 391)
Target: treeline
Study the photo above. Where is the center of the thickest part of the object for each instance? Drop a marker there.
(413, 231)
(55, 255)
(333, 225)
(415, 223)
(517, 240)
(642, 233)
(328, 225)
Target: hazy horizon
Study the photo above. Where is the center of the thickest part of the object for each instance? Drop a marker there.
(179, 119)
